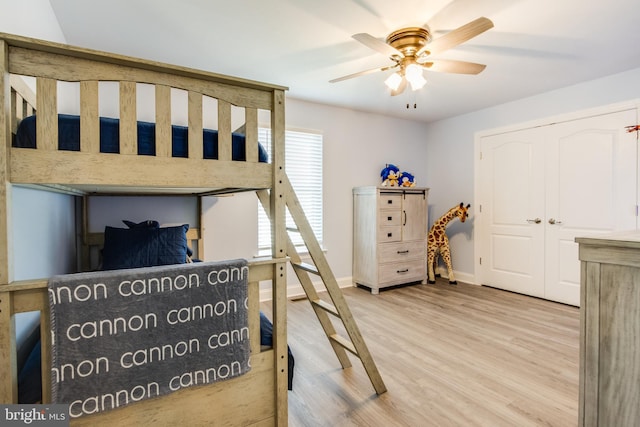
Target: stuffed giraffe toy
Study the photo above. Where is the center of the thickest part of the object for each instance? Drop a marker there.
(438, 242)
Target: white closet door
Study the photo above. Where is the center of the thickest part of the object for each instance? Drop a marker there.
(577, 178)
(511, 227)
(591, 174)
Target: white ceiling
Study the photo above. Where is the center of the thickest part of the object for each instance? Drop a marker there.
(535, 46)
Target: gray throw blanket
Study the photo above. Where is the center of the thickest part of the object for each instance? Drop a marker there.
(123, 336)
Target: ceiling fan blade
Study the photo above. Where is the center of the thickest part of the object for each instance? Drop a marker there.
(451, 66)
(362, 73)
(377, 45)
(457, 36)
(401, 87)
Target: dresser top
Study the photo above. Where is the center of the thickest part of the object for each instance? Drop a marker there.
(628, 239)
(619, 248)
(373, 189)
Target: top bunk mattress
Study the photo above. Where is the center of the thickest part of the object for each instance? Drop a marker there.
(69, 138)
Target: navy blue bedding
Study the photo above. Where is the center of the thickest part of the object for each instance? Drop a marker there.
(69, 138)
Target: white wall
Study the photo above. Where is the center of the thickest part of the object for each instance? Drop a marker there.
(44, 233)
(451, 147)
(167, 210)
(30, 18)
(356, 148)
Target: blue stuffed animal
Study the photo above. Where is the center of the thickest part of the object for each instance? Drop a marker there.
(390, 175)
(407, 180)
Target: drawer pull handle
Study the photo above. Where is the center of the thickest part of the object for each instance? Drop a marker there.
(389, 202)
(403, 271)
(389, 234)
(403, 252)
(389, 218)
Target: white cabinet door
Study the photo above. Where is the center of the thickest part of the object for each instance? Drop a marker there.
(414, 218)
(577, 178)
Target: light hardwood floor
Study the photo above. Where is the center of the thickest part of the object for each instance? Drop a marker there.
(462, 355)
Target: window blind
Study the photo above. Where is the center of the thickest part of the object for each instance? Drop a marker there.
(303, 164)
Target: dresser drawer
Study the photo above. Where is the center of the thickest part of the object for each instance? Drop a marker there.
(390, 201)
(389, 233)
(389, 217)
(402, 251)
(402, 272)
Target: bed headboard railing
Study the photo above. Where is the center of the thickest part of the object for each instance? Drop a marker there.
(47, 129)
(50, 65)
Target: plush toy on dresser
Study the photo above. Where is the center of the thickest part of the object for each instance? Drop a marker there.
(438, 242)
(407, 180)
(390, 175)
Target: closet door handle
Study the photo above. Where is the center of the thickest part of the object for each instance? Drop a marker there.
(537, 220)
(405, 217)
(554, 221)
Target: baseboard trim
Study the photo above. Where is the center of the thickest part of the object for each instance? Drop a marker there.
(296, 292)
(460, 276)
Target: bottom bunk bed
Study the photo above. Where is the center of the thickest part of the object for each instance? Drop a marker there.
(202, 404)
(242, 396)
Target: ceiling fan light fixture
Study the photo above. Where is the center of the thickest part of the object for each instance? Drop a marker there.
(393, 81)
(417, 83)
(410, 50)
(413, 73)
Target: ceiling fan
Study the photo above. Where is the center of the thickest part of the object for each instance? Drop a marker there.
(411, 49)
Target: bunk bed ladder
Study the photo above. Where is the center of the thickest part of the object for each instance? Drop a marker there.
(338, 308)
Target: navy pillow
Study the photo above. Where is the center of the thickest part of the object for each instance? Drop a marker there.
(144, 247)
(144, 224)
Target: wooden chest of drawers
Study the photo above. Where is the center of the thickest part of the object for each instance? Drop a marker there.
(389, 236)
(609, 330)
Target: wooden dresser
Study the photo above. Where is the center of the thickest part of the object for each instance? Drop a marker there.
(389, 236)
(610, 330)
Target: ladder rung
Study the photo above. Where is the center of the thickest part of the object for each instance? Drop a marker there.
(348, 345)
(293, 229)
(306, 267)
(326, 307)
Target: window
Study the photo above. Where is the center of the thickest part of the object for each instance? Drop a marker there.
(303, 164)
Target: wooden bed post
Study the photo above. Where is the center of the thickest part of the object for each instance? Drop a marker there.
(5, 191)
(8, 368)
(200, 248)
(279, 248)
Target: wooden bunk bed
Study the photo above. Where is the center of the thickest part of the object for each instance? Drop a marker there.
(258, 397)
